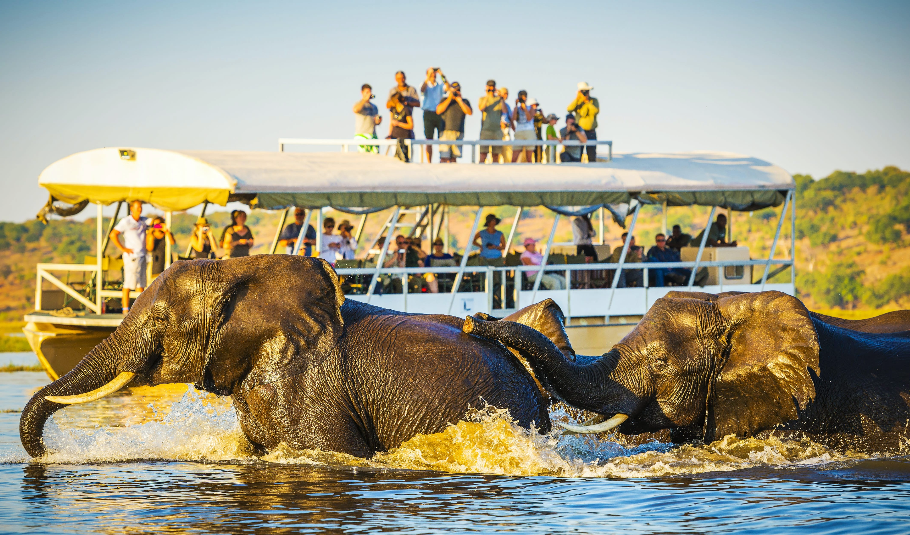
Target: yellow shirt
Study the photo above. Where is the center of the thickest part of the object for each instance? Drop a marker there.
(585, 112)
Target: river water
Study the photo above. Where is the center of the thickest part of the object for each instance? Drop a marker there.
(174, 459)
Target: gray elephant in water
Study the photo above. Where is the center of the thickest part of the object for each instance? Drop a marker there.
(303, 365)
(705, 366)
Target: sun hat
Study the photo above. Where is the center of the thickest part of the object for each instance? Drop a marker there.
(583, 86)
(345, 224)
(529, 241)
(202, 221)
(491, 217)
(532, 101)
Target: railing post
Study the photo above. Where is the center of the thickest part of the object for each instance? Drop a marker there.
(464, 259)
(543, 262)
(99, 275)
(385, 246)
(167, 241)
(512, 230)
(38, 289)
(780, 223)
(622, 260)
(320, 217)
(792, 241)
(284, 216)
(701, 247)
(302, 234)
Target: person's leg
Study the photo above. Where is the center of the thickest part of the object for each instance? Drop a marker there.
(125, 300)
(560, 281)
(659, 277)
(591, 149)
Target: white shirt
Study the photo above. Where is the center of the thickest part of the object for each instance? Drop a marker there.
(133, 233)
(581, 234)
(348, 247)
(327, 253)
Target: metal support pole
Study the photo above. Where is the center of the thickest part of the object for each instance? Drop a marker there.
(302, 234)
(622, 259)
(381, 258)
(284, 216)
(99, 274)
(110, 228)
(792, 241)
(780, 223)
(701, 246)
(410, 152)
(512, 230)
(359, 232)
(379, 234)
(423, 216)
(320, 217)
(665, 218)
(447, 234)
(601, 223)
(543, 261)
(464, 259)
(167, 241)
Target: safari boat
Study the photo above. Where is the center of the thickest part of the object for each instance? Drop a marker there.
(598, 311)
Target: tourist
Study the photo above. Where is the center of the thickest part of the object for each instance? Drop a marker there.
(491, 107)
(133, 228)
(539, 120)
(582, 232)
(433, 93)
(348, 243)
(438, 258)
(523, 117)
(717, 234)
(629, 277)
(288, 236)
(548, 281)
(402, 124)
(661, 253)
(332, 244)
(202, 241)
(677, 239)
(453, 111)
(407, 91)
(492, 242)
(239, 238)
(156, 245)
(507, 124)
(366, 117)
(571, 132)
(405, 256)
(586, 108)
(550, 135)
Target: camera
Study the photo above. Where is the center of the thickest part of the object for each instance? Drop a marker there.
(158, 227)
(372, 97)
(435, 69)
(205, 229)
(402, 251)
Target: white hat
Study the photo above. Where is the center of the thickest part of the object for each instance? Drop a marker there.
(532, 101)
(583, 86)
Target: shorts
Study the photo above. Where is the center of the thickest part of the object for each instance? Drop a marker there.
(134, 271)
(491, 134)
(450, 151)
(524, 135)
(432, 123)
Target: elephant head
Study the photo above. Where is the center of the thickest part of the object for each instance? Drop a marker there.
(701, 365)
(178, 328)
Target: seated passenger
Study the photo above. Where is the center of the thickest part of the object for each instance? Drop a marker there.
(332, 244)
(677, 239)
(405, 256)
(633, 277)
(348, 243)
(438, 259)
(549, 281)
(717, 234)
(661, 253)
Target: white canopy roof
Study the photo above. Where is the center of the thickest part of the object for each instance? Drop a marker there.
(177, 180)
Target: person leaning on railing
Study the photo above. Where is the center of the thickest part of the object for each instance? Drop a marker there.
(433, 93)
(550, 135)
(629, 277)
(585, 107)
(523, 117)
(571, 132)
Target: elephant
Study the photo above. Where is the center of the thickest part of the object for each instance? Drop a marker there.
(304, 366)
(705, 366)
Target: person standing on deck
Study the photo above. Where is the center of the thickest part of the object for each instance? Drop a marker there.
(717, 234)
(508, 126)
(491, 108)
(408, 93)
(552, 119)
(433, 94)
(402, 124)
(523, 117)
(586, 108)
(289, 235)
(492, 242)
(156, 246)
(582, 232)
(453, 111)
(366, 117)
(133, 228)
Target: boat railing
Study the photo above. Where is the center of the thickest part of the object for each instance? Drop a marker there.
(346, 144)
(84, 298)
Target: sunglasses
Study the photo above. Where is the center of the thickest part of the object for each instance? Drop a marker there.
(660, 240)
(299, 214)
(330, 226)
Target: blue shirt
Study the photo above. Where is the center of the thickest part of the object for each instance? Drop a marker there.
(667, 255)
(432, 97)
(487, 238)
(292, 231)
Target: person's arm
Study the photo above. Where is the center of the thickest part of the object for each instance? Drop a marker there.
(408, 124)
(423, 88)
(476, 240)
(228, 241)
(196, 240)
(212, 242)
(579, 98)
(441, 108)
(593, 105)
(464, 105)
(529, 113)
(502, 242)
(170, 236)
(581, 135)
(149, 242)
(115, 234)
(526, 260)
(360, 104)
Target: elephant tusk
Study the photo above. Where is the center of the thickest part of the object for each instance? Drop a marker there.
(597, 428)
(119, 382)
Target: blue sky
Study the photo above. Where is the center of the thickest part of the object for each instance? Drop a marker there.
(809, 86)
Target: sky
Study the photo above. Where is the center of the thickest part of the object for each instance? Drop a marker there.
(810, 86)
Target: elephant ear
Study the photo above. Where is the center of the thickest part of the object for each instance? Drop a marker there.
(765, 379)
(547, 318)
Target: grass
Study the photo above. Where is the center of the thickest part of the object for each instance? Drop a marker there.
(858, 314)
(9, 368)
(13, 344)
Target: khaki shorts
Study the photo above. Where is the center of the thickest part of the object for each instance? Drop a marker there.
(491, 134)
(134, 271)
(450, 151)
(525, 135)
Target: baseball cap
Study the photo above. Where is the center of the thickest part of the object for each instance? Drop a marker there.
(491, 82)
(529, 241)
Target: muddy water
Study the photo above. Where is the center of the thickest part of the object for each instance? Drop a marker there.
(177, 461)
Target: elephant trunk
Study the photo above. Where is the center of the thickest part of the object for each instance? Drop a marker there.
(590, 385)
(95, 373)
